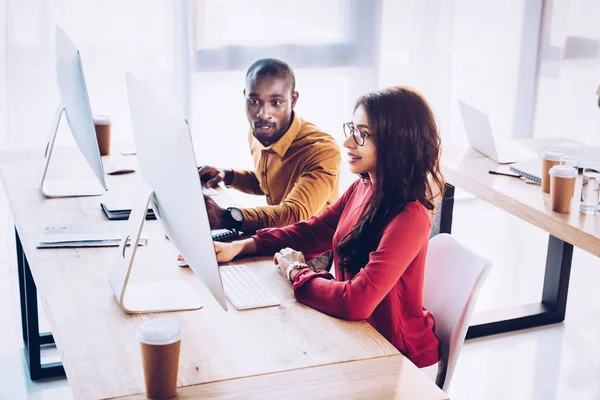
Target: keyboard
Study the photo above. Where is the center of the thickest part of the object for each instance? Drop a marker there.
(244, 290)
(209, 191)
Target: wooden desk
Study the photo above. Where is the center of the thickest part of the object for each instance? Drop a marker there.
(468, 170)
(97, 341)
(391, 377)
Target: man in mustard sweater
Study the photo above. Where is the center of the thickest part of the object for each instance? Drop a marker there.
(296, 165)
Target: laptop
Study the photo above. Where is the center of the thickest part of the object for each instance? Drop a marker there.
(586, 154)
(479, 134)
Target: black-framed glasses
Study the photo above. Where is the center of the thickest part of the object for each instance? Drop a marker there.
(358, 135)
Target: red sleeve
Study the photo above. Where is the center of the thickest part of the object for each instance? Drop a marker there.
(312, 237)
(355, 299)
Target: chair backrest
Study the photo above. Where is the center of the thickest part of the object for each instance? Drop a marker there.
(453, 276)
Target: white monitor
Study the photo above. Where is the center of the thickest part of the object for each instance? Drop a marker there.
(76, 105)
(168, 165)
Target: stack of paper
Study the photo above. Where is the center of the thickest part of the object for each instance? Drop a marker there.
(88, 234)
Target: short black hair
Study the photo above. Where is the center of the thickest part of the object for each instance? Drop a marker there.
(273, 67)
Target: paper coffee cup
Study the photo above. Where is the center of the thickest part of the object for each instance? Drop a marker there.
(160, 342)
(102, 125)
(562, 187)
(550, 157)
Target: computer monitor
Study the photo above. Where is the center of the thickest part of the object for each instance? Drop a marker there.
(75, 104)
(168, 166)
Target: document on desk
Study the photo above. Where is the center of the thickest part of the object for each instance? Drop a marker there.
(85, 234)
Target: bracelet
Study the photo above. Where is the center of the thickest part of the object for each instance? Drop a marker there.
(293, 266)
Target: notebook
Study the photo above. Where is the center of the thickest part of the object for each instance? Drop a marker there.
(115, 212)
(531, 169)
(86, 234)
(119, 212)
(224, 235)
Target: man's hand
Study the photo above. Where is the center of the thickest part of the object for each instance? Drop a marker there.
(211, 176)
(216, 214)
(284, 257)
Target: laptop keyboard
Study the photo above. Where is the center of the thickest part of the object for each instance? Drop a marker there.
(244, 290)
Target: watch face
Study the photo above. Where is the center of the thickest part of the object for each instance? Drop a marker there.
(236, 214)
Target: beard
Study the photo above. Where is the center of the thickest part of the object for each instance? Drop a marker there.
(267, 134)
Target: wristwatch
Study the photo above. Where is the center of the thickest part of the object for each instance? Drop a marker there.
(293, 266)
(235, 216)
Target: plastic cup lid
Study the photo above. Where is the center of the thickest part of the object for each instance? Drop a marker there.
(569, 158)
(159, 331)
(552, 154)
(101, 119)
(563, 171)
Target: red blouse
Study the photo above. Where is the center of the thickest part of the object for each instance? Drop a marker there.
(387, 292)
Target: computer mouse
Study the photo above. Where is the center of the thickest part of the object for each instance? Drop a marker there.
(129, 152)
(120, 170)
(181, 262)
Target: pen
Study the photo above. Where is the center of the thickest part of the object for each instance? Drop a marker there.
(504, 174)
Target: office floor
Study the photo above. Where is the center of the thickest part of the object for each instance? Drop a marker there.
(556, 362)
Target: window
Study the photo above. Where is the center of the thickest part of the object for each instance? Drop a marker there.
(231, 35)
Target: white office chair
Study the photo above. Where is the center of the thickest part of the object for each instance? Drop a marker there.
(453, 276)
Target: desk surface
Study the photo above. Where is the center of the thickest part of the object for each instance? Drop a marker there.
(391, 377)
(97, 341)
(468, 169)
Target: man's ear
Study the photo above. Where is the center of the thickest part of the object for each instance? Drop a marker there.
(295, 96)
(244, 91)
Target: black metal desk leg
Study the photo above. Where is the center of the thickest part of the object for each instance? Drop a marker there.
(550, 310)
(21, 273)
(32, 338)
(442, 222)
(556, 278)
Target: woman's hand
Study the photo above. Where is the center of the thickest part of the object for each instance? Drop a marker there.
(226, 251)
(284, 257)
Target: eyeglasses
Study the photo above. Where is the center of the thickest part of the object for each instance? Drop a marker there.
(358, 136)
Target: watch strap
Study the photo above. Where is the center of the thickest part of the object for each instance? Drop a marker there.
(228, 178)
(293, 266)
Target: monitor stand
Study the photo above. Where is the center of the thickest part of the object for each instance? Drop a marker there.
(146, 297)
(64, 188)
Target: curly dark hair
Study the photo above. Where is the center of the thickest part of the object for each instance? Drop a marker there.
(408, 148)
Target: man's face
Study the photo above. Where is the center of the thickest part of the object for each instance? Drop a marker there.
(269, 105)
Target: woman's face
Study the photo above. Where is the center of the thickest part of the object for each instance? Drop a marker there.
(362, 159)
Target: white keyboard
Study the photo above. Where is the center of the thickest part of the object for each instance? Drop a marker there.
(209, 191)
(244, 290)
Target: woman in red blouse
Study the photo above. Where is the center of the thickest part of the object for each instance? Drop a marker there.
(379, 228)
